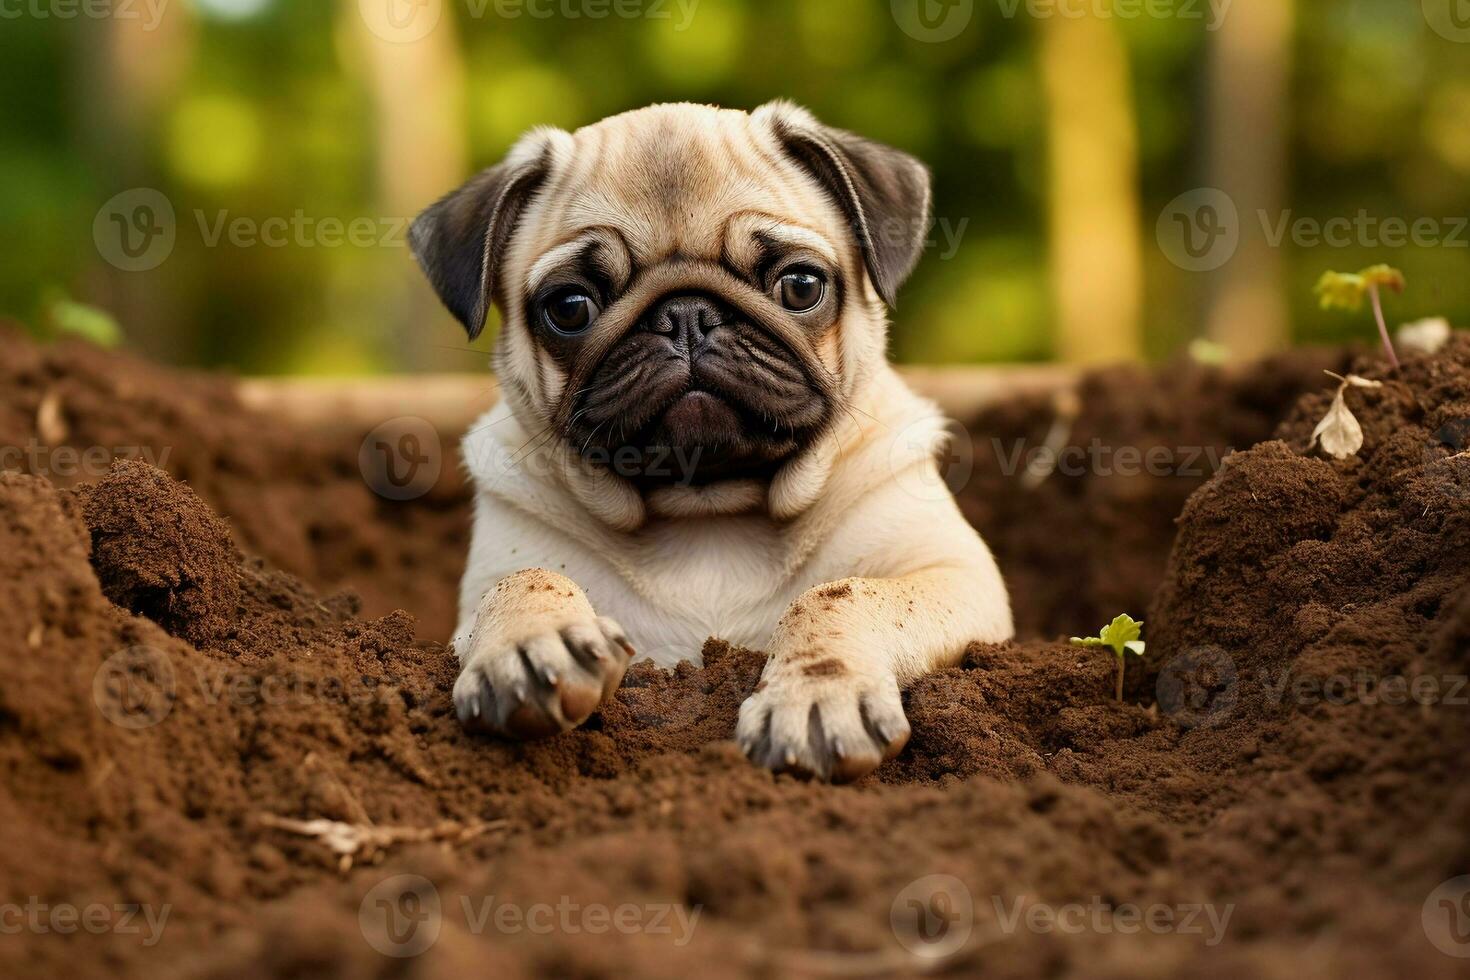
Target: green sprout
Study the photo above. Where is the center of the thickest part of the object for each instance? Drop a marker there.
(1345, 291)
(1122, 637)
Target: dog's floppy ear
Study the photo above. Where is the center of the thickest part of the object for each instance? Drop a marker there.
(884, 193)
(460, 240)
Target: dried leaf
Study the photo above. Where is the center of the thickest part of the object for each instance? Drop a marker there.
(1339, 432)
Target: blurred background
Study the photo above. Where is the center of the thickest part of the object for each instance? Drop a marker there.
(228, 182)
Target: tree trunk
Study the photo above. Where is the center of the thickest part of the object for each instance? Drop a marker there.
(1096, 262)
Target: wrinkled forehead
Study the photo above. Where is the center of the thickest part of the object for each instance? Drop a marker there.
(691, 184)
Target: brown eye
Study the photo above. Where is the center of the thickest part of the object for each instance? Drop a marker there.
(800, 290)
(569, 311)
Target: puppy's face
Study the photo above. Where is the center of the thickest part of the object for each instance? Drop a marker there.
(687, 293)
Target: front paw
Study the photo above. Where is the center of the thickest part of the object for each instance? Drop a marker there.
(821, 720)
(540, 685)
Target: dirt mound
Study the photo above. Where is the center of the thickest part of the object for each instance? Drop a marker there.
(1118, 466)
(293, 497)
(160, 552)
(1260, 803)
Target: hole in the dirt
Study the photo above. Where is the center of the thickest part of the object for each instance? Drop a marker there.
(151, 604)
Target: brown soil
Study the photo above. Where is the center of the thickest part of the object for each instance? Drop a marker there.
(1092, 538)
(170, 696)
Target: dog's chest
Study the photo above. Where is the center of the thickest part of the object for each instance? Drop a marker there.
(720, 577)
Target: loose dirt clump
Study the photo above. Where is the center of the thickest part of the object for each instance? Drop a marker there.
(159, 551)
(1263, 793)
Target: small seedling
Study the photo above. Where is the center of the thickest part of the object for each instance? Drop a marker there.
(1339, 432)
(1345, 291)
(62, 316)
(1122, 637)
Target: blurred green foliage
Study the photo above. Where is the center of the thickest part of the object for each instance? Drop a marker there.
(262, 109)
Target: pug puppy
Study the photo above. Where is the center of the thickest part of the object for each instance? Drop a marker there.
(699, 433)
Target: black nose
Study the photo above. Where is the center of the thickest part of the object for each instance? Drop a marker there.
(686, 318)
